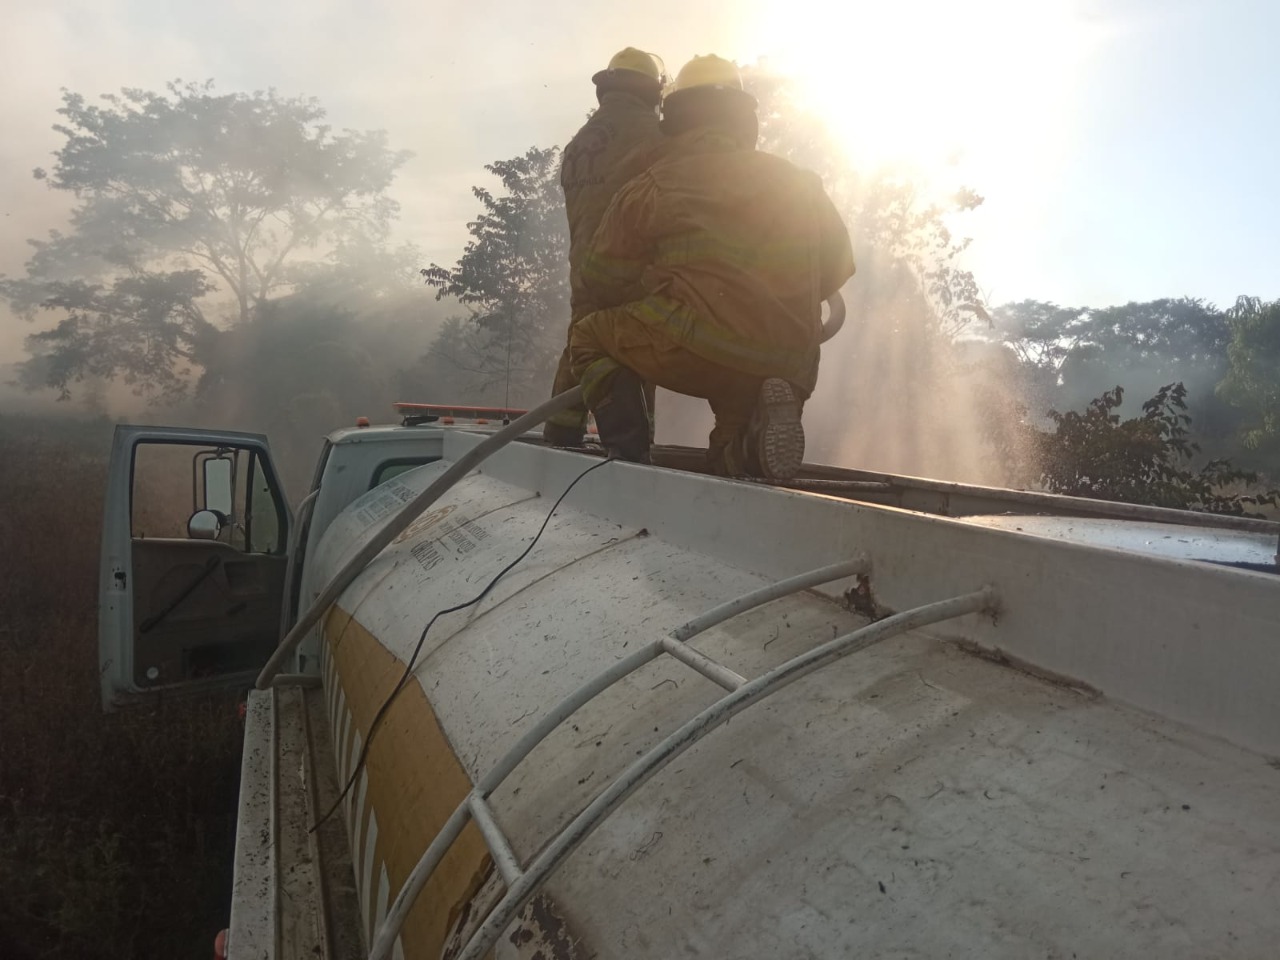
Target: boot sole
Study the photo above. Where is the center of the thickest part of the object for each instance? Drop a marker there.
(781, 436)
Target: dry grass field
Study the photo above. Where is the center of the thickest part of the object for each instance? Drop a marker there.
(116, 830)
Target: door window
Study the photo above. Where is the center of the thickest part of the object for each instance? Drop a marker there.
(163, 495)
(209, 534)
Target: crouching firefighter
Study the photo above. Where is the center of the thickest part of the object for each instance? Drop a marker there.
(712, 265)
(615, 144)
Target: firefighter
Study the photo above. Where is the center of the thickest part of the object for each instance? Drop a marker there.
(615, 144)
(732, 251)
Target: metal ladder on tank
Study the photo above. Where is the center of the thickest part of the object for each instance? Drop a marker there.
(523, 883)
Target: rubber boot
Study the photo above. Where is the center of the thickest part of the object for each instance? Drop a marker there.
(559, 435)
(775, 437)
(623, 419)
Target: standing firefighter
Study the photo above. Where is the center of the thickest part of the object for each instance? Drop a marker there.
(712, 266)
(614, 145)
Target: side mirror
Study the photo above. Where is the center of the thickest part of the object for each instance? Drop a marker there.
(217, 485)
(204, 525)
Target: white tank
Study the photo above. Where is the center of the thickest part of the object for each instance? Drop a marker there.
(1082, 772)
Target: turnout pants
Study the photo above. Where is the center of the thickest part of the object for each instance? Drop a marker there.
(606, 340)
(575, 418)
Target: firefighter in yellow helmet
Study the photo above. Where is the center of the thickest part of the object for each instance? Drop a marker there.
(614, 145)
(712, 266)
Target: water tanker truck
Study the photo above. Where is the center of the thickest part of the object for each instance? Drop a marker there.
(513, 701)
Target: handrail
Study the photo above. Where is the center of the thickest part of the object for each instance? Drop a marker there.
(585, 823)
(709, 668)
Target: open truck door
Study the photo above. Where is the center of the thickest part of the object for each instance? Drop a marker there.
(194, 554)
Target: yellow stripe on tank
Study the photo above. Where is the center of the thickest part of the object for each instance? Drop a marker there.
(415, 781)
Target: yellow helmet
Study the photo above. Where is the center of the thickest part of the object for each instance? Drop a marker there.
(631, 60)
(708, 92)
(709, 71)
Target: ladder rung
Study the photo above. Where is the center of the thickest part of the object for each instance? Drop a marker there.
(713, 670)
(503, 855)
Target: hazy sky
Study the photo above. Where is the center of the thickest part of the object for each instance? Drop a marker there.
(1126, 149)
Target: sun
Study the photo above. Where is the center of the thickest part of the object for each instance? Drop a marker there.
(932, 84)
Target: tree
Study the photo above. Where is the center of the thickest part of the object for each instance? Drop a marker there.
(1080, 350)
(1040, 334)
(1252, 381)
(147, 328)
(185, 196)
(1070, 355)
(513, 276)
(1143, 459)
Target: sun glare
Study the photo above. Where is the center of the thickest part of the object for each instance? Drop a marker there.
(932, 84)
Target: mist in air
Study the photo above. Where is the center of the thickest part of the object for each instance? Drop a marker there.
(900, 114)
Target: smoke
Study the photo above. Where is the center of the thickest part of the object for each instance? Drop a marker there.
(302, 367)
(307, 365)
(893, 393)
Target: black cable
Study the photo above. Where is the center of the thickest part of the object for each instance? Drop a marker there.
(422, 639)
